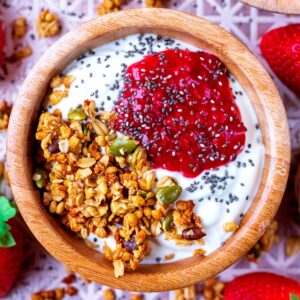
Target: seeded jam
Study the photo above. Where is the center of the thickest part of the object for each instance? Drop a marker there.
(178, 104)
(193, 101)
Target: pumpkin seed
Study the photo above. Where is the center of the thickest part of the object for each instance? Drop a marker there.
(40, 177)
(167, 222)
(77, 114)
(168, 195)
(120, 147)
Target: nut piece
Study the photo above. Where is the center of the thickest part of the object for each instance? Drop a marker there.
(108, 6)
(154, 3)
(230, 226)
(195, 233)
(19, 28)
(47, 24)
(5, 110)
(109, 294)
(20, 54)
(119, 268)
(292, 245)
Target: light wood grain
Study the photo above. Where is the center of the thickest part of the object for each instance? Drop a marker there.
(280, 6)
(242, 64)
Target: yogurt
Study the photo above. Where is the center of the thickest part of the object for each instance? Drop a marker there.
(221, 195)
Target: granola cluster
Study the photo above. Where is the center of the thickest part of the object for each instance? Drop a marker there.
(98, 183)
(48, 24)
(154, 3)
(19, 28)
(108, 6)
(5, 111)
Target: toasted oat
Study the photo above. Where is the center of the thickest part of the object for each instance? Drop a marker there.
(188, 293)
(213, 289)
(109, 294)
(19, 28)
(154, 3)
(230, 226)
(48, 24)
(136, 296)
(292, 245)
(5, 111)
(108, 6)
(169, 256)
(21, 54)
(56, 294)
(199, 251)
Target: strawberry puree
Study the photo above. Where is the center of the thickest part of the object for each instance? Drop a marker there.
(179, 105)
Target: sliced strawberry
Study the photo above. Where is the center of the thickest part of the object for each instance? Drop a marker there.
(281, 49)
(262, 286)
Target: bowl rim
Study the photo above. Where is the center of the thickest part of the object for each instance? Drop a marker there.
(279, 6)
(241, 63)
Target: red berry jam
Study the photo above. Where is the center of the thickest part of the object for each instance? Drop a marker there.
(179, 105)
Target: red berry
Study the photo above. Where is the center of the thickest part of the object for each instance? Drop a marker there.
(261, 286)
(281, 49)
(11, 259)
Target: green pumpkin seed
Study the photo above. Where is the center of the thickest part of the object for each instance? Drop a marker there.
(167, 222)
(120, 147)
(40, 177)
(77, 114)
(168, 195)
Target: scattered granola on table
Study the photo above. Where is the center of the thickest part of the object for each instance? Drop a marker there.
(5, 111)
(213, 289)
(292, 245)
(108, 6)
(188, 293)
(109, 294)
(48, 24)
(265, 243)
(20, 54)
(19, 28)
(154, 3)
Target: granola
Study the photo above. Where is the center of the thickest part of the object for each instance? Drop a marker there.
(48, 24)
(19, 28)
(188, 293)
(154, 3)
(213, 289)
(5, 111)
(20, 54)
(108, 6)
(98, 183)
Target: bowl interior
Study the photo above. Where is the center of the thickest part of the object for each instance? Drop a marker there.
(244, 67)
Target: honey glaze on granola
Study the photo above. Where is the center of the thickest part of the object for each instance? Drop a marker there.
(220, 196)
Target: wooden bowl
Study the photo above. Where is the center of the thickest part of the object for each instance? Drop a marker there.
(256, 83)
(279, 6)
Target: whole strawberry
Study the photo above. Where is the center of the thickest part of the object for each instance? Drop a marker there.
(281, 49)
(11, 246)
(262, 286)
(1, 44)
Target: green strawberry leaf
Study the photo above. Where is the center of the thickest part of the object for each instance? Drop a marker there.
(7, 211)
(294, 297)
(4, 228)
(7, 240)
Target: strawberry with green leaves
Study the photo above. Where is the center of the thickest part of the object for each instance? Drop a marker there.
(262, 286)
(11, 246)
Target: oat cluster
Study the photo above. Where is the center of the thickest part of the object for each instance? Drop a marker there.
(98, 183)
(154, 3)
(213, 289)
(19, 28)
(48, 24)
(5, 110)
(108, 6)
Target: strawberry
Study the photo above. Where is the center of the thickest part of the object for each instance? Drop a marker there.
(262, 286)
(11, 246)
(281, 49)
(1, 44)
